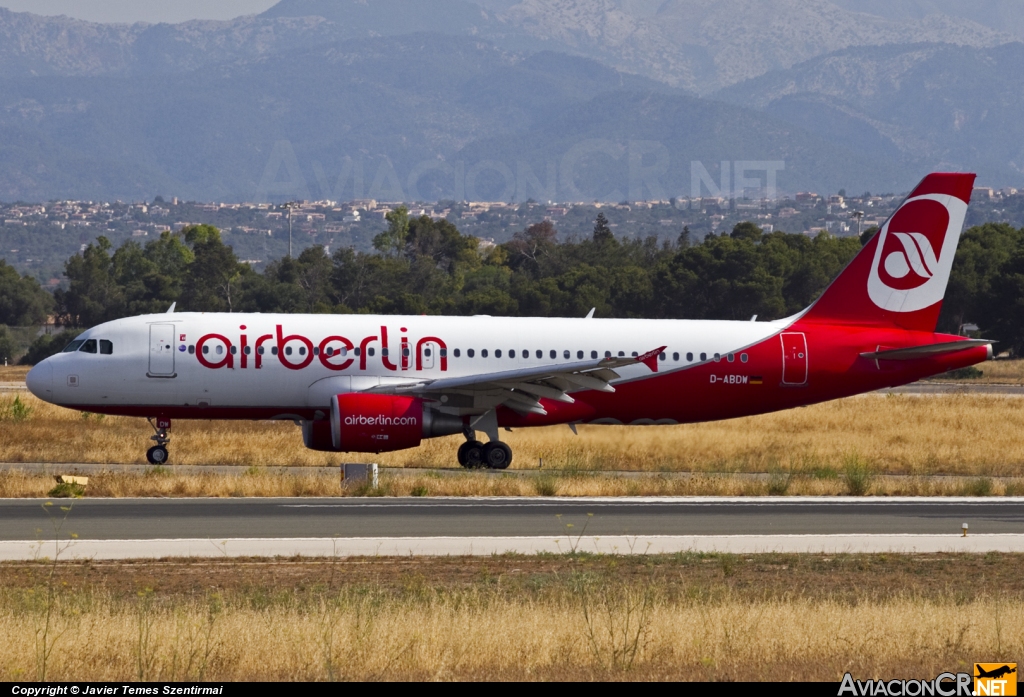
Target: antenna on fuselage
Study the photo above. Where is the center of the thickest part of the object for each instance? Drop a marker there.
(171, 308)
(590, 315)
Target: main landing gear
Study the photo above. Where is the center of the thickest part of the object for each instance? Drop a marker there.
(494, 455)
(157, 455)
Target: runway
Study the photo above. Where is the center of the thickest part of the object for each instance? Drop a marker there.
(122, 528)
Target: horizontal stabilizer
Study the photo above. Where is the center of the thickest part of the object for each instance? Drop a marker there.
(926, 351)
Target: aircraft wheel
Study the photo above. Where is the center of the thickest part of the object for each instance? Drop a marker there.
(471, 454)
(497, 455)
(157, 455)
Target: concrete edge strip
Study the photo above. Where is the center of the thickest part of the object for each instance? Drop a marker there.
(28, 550)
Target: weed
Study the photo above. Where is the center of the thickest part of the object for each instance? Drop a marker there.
(728, 564)
(982, 486)
(857, 476)
(968, 373)
(778, 483)
(67, 490)
(15, 410)
(546, 485)
(616, 621)
(823, 472)
(419, 490)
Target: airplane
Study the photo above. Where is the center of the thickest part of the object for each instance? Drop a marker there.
(372, 384)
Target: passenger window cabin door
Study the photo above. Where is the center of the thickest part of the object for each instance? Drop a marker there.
(794, 358)
(161, 351)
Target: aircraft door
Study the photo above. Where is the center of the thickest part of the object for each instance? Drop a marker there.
(794, 358)
(161, 351)
(430, 350)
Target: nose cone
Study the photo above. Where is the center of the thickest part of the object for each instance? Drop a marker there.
(40, 381)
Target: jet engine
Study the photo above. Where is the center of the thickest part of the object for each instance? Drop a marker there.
(373, 423)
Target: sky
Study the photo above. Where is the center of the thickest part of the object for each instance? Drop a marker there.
(129, 11)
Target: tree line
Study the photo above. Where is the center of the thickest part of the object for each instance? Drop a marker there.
(426, 266)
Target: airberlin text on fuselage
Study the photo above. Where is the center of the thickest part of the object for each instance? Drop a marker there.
(334, 352)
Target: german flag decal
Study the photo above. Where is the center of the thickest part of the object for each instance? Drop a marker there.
(756, 380)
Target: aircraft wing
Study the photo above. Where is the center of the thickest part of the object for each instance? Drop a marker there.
(522, 389)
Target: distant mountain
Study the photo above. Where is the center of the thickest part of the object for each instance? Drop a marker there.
(700, 45)
(633, 146)
(35, 46)
(944, 106)
(211, 133)
(421, 115)
(1001, 15)
(452, 98)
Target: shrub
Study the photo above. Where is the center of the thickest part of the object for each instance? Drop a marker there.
(857, 476)
(982, 486)
(778, 483)
(968, 373)
(15, 411)
(66, 490)
(546, 485)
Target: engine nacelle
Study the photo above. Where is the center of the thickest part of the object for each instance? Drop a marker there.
(372, 423)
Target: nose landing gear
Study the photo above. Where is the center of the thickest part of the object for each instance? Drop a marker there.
(157, 455)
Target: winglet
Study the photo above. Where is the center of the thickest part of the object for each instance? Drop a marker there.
(650, 359)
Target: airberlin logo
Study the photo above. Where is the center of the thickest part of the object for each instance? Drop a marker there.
(914, 253)
(380, 420)
(334, 352)
(911, 265)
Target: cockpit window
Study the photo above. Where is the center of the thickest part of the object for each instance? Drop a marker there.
(89, 346)
(73, 346)
(106, 347)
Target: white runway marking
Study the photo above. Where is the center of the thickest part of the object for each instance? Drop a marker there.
(25, 550)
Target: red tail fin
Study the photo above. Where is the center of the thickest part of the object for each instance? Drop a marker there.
(899, 277)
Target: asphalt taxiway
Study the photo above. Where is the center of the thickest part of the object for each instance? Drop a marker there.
(110, 528)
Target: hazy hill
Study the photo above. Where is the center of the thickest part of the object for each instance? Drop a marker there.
(31, 45)
(210, 134)
(405, 97)
(391, 106)
(701, 45)
(949, 106)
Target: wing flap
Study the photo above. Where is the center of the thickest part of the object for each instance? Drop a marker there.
(523, 388)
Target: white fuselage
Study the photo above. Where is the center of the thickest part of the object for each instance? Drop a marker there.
(144, 369)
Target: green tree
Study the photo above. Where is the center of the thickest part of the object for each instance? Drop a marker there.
(22, 301)
(215, 277)
(602, 230)
(47, 345)
(6, 346)
(93, 295)
(391, 242)
(746, 231)
(980, 257)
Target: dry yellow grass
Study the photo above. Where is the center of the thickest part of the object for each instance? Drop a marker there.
(13, 373)
(255, 483)
(969, 435)
(683, 616)
(627, 632)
